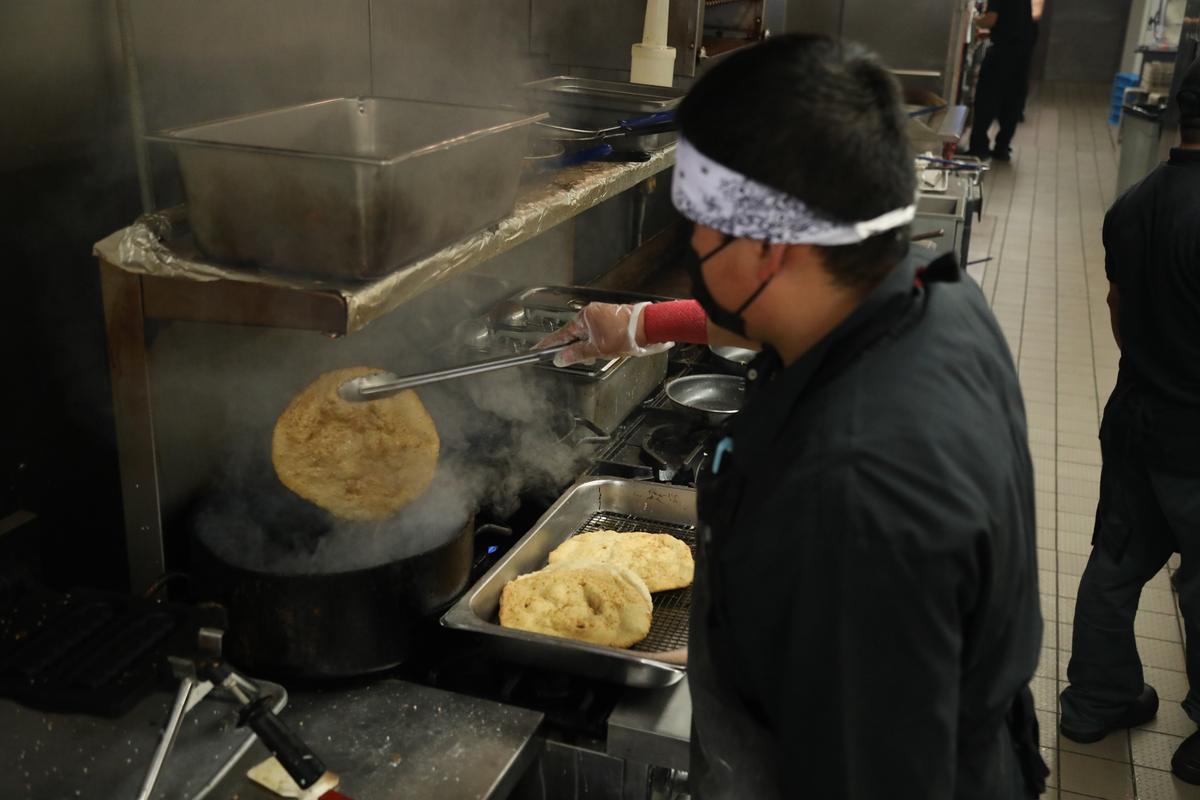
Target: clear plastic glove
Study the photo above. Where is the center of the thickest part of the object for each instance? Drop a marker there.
(603, 330)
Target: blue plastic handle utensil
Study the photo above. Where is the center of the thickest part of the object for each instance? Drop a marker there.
(583, 156)
(664, 120)
(920, 112)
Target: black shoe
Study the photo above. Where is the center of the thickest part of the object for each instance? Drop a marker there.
(1002, 155)
(982, 155)
(1139, 712)
(1186, 761)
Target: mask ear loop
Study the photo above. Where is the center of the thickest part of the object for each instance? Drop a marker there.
(762, 287)
(728, 241)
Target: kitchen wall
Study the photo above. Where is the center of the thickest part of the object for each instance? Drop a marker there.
(1085, 39)
(66, 178)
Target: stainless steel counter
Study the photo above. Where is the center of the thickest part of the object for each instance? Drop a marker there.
(653, 726)
(394, 739)
(389, 739)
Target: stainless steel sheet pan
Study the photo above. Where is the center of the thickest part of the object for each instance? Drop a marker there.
(592, 504)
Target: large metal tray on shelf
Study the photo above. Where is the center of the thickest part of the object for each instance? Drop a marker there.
(592, 504)
(596, 104)
(348, 187)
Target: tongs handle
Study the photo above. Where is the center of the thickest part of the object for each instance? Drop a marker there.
(658, 122)
(373, 387)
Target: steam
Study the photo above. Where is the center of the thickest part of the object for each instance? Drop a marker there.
(504, 435)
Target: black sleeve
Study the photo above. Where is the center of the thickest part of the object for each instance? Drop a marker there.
(1110, 247)
(1000, 7)
(853, 645)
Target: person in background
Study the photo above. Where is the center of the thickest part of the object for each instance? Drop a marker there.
(1150, 441)
(1037, 8)
(1003, 78)
(865, 617)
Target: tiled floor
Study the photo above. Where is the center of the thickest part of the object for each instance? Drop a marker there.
(1046, 283)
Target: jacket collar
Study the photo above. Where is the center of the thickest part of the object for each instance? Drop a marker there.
(773, 391)
(1181, 156)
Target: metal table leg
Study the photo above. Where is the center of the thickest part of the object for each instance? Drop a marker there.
(128, 366)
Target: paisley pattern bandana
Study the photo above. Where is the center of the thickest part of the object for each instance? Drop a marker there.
(711, 194)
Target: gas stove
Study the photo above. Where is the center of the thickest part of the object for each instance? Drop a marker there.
(657, 442)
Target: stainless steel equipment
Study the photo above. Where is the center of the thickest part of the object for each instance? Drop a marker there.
(733, 360)
(737, 355)
(713, 397)
(348, 187)
(947, 216)
(1141, 132)
(592, 504)
(594, 104)
(607, 392)
(922, 46)
(603, 393)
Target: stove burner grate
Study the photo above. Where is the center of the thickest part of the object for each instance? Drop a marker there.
(669, 626)
(673, 445)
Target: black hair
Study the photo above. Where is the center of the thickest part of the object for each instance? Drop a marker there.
(820, 120)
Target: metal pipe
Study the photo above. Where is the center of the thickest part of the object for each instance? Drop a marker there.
(137, 111)
(168, 737)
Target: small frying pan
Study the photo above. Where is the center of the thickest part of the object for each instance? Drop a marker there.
(713, 398)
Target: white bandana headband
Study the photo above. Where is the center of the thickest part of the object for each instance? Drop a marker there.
(712, 194)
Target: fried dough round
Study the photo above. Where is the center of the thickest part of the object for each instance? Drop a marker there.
(598, 603)
(360, 461)
(660, 559)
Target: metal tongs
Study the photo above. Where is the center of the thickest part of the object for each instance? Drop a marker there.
(951, 165)
(385, 384)
(659, 122)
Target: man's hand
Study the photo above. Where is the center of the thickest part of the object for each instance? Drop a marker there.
(601, 330)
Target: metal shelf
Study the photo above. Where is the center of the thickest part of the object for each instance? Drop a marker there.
(177, 283)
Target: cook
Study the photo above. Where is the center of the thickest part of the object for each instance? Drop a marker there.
(1150, 440)
(865, 610)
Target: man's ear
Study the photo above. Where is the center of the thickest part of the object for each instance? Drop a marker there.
(771, 259)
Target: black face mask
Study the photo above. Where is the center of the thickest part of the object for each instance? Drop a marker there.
(732, 321)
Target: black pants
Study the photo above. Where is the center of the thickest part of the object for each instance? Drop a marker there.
(999, 95)
(1028, 71)
(1147, 511)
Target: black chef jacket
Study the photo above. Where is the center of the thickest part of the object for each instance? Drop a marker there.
(865, 607)
(1014, 23)
(1152, 254)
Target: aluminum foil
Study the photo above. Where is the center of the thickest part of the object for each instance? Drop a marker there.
(158, 244)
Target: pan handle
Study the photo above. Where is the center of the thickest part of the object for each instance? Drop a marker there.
(598, 435)
(660, 122)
